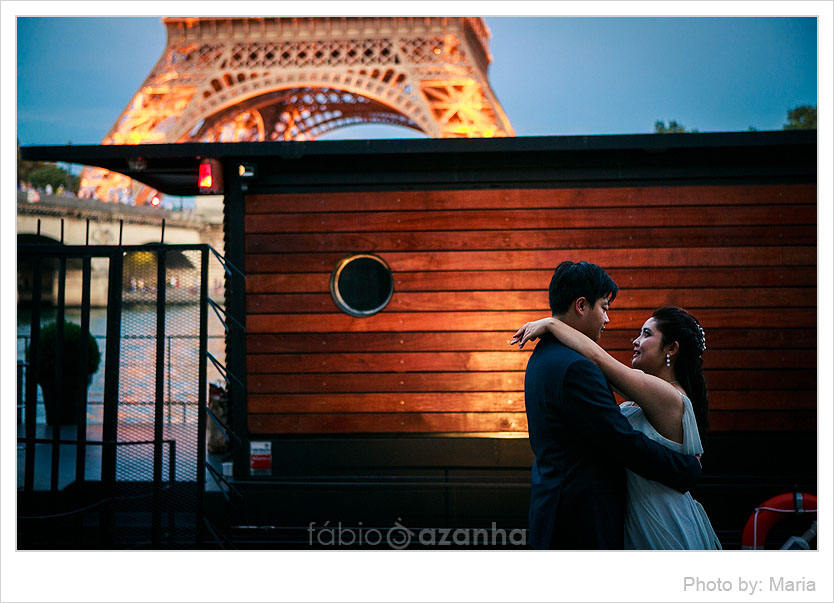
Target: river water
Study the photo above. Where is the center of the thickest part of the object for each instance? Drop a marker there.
(137, 374)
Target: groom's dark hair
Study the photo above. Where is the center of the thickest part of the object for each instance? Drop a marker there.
(572, 280)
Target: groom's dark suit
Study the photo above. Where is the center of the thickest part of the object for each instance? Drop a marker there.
(582, 445)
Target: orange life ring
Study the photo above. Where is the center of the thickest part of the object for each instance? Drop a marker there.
(770, 512)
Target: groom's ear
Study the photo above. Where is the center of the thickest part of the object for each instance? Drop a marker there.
(580, 304)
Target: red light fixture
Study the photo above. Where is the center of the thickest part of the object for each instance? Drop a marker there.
(210, 177)
(204, 180)
(155, 201)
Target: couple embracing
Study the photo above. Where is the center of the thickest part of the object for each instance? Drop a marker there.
(606, 477)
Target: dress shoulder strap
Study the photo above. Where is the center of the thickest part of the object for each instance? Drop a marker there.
(691, 437)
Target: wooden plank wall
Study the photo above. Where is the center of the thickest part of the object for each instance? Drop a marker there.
(471, 266)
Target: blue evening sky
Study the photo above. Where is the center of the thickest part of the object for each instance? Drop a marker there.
(552, 75)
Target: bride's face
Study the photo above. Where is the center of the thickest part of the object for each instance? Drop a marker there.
(648, 352)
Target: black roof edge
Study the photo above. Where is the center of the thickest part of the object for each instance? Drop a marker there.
(91, 154)
(172, 168)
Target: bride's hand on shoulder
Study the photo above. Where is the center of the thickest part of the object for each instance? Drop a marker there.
(530, 332)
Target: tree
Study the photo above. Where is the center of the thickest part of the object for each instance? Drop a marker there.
(39, 174)
(53, 175)
(25, 168)
(803, 117)
(673, 128)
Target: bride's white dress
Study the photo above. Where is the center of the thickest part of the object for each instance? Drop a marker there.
(659, 517)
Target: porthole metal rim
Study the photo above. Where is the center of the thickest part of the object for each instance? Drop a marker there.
(336, 295)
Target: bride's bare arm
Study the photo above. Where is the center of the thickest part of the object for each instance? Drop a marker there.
(659, 400)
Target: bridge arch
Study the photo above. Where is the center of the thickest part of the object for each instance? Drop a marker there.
(26, 271)
(140, 280)
(36, 239)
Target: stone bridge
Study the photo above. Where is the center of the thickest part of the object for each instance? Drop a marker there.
(74, 221)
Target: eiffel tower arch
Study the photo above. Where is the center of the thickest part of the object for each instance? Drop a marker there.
(260, 79)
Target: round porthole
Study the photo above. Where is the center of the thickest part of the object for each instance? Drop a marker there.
(361, 285)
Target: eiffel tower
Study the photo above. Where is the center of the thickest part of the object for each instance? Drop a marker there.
(261, 79)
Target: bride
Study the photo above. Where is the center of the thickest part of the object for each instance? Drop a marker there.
(669, 405)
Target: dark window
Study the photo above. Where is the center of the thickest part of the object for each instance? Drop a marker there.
(361, 285)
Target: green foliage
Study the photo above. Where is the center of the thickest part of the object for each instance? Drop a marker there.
(71, 352)
(803, 117)
(54, 176)
(39, 174)
(25, 168)
(674, 127)
(62, 406)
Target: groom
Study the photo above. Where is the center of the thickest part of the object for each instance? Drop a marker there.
(581, 441)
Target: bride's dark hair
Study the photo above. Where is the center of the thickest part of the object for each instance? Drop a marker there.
(676, 324)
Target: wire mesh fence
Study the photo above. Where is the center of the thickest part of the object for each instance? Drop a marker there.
(155, 486)
(160, 334)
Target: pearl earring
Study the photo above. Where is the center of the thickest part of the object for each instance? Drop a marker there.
(668, 360)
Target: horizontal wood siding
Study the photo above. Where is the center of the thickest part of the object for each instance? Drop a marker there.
(471, 266)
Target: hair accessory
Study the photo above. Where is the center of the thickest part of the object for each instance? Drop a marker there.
(668, 360)
(703, 340)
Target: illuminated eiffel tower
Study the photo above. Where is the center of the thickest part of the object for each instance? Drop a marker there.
(259, 79)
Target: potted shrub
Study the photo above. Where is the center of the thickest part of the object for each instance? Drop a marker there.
(61, 405)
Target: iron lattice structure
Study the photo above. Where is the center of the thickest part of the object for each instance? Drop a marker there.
(258, 79)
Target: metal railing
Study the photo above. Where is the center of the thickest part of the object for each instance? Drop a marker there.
(111, 406)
